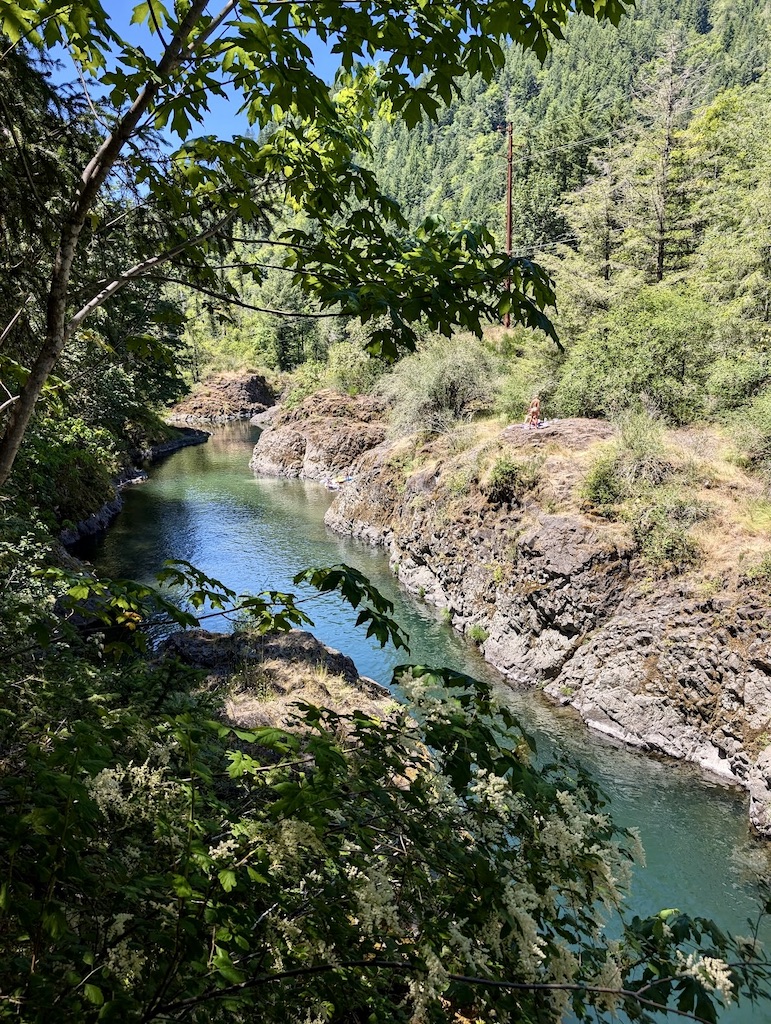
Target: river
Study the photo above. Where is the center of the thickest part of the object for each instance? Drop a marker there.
(204, 505)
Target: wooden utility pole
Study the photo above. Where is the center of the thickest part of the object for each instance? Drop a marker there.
(510, 163)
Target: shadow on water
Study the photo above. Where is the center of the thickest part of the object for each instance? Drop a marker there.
(204, 505)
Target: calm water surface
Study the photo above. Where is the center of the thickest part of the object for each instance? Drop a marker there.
(204, 505)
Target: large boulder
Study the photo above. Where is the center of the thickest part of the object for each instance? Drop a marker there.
(322, 437)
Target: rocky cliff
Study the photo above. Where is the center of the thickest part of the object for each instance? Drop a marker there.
(322, 437)
(677, 663)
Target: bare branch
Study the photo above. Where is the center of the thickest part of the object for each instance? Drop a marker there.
(94, 113)
(23, 157)
(156, 24)
(143, 270)
(233, 301)
(10, 401)
(9, 326)
(522, 986)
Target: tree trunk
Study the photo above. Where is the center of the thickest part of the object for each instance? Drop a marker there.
(91, 181)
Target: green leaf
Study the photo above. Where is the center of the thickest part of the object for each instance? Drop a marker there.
(227, 879)
(93, 994)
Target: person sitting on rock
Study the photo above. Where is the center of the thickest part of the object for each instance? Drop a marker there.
(533, 416)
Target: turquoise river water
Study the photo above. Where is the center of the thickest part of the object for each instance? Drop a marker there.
(203, 504)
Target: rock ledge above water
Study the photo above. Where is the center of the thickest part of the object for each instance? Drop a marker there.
(322, 437)
(264, 678)
(223, 398)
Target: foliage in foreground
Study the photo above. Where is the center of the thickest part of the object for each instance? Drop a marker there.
(159, 864)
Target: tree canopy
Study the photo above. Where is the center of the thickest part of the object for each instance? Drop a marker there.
(158, 864)
(141, 171)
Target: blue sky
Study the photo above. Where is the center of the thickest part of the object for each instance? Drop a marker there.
(223, 119)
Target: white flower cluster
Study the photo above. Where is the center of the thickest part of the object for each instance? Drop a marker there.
(572, 833)
(428, 703)
(375, 898)
(125, 963)
(425, 988)
(609, 977)
(563, 968)
(520, 899)
(288, 843)
(442, 796)
(118, 926)
(636, 848)
(499, 805)
(713, 973)
(134, 792)
(472, 951)
(495, 793)
(223, 852)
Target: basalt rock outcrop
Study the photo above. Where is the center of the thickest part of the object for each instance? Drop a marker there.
(223, 398)
(561, 599)
(264, 678)
(322, 437)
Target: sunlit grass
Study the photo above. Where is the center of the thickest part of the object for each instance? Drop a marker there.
(756, 516)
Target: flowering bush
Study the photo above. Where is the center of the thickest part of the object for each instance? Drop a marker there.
(161, 865)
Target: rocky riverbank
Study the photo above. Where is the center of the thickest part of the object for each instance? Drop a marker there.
(223, 398)
(674, 662)
(101, 519)
(322, 438)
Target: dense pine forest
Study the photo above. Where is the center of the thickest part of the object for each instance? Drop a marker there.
(414, 861)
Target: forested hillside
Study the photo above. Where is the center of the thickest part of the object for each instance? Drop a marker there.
(641, 170)
(593, 96)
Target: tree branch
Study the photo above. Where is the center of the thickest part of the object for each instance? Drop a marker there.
(9, 326)
(23, 157)
(11, 400)
(142, 270)
(157, 26)
(233, 301)
(522, 986)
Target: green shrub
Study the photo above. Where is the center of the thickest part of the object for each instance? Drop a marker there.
(637, 461)
(752, 428)
(642, 454)
(528, 373)
(306, 379)
(736, 379)
(431, 391)
(510, 479)
(660, 523)
(478, 634)
(668, 548)
(66, 468)
(653, 352)
(602, 488)
(351, 369)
